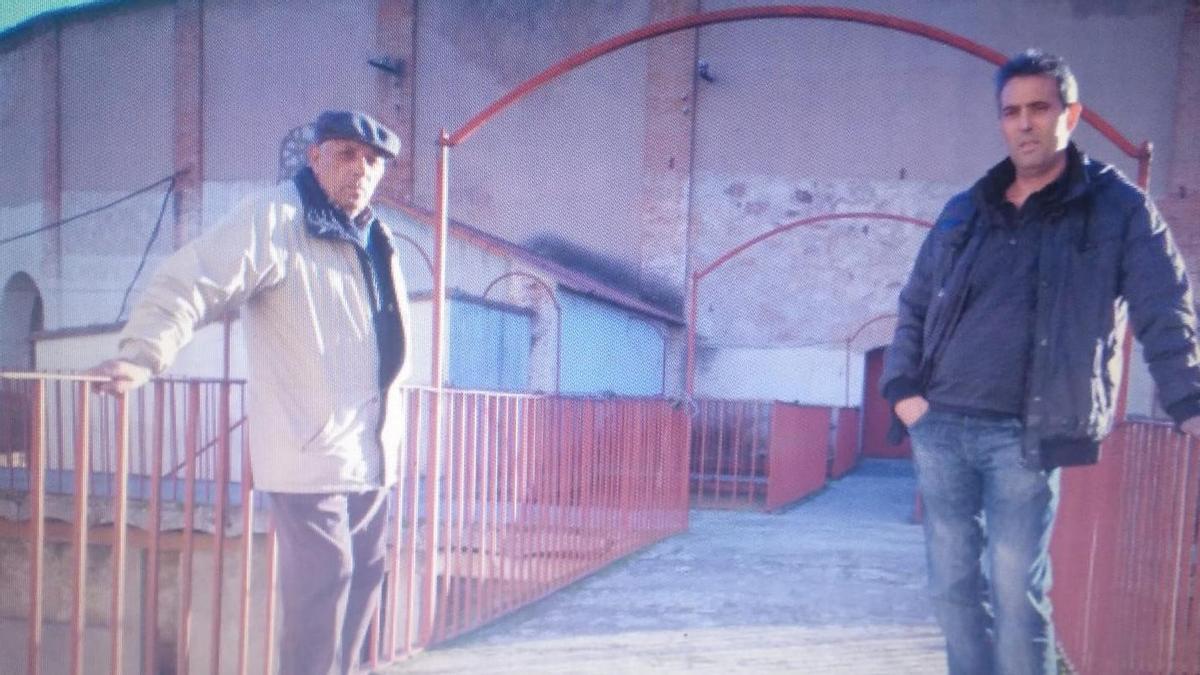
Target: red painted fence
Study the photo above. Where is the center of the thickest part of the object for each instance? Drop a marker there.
(142, 549)
(767, 454)
(1125, 550)
(847, 446)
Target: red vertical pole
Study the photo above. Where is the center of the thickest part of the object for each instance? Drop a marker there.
(221, 483)
(542, 491)
(454, 550)
(389, 601)
(491, 505)
(739, 415)
(466, 528)
(61, 435)
(774, 458)
(37, 525)
(268, 631)
(120, 512)
(150, 617)
(191, 432)
(247, 549)
(480, 496)
(437, 367)
(505, 539)
(79, 544)
(606, 435)
(689, 390)
(412, 505)
(756, 433)
(565, 477)
(1185, 649)
(700, 429)
(1144, 159)
(636, 455)
(588, 473)
(392, 600)
(449, 559)
(722, 408)
(687, 443)
(529, 480)
(1143, 182)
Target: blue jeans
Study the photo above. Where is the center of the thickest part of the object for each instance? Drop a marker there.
(988, 520)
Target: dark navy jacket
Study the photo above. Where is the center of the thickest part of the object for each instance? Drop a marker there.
(1103, 249)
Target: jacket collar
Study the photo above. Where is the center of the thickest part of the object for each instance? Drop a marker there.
(1075, 181)
(324, 220)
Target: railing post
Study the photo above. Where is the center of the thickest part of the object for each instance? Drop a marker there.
(191, 439)
(79, 539)
(221, 485)
(37, 526)
(120, 514)
(157, 447)
(247, 484)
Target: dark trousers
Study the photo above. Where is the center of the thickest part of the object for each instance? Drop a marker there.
(332, 550)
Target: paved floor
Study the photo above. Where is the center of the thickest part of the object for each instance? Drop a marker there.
(833, 585)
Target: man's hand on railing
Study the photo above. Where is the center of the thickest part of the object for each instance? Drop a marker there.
(1191, 426)
(123, 376)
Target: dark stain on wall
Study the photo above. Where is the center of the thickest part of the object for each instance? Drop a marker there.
(612, 271)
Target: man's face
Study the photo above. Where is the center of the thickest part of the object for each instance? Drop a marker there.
(1035, 123)
(348, 172)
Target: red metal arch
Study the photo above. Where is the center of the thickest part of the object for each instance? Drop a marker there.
(557, 321)
(804, 222)
(698, 276)
(782, 12)
(448, 140)
(850, 342)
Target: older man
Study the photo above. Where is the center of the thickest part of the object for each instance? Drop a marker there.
(1007, 356)
(325, 312)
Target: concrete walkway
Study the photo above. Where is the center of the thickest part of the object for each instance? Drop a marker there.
(833, 585)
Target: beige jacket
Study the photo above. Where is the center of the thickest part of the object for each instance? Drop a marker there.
(319, 421)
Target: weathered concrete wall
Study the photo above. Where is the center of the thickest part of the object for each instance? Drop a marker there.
(806, 117)
(116, 111)
(809, 375)
(795, 118)
(22, 134)
(835, 100)
(563, 161)
(269, 66)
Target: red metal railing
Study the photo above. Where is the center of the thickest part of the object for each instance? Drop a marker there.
(535, 492)
(846, 442)
(1125, 551)
(529, 494)
(765, 454)
(113, 488)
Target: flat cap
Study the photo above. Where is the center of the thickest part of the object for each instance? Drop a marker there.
(356, 126)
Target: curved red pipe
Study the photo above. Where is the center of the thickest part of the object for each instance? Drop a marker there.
(558, 321)
(814, 220)
(750, 13)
